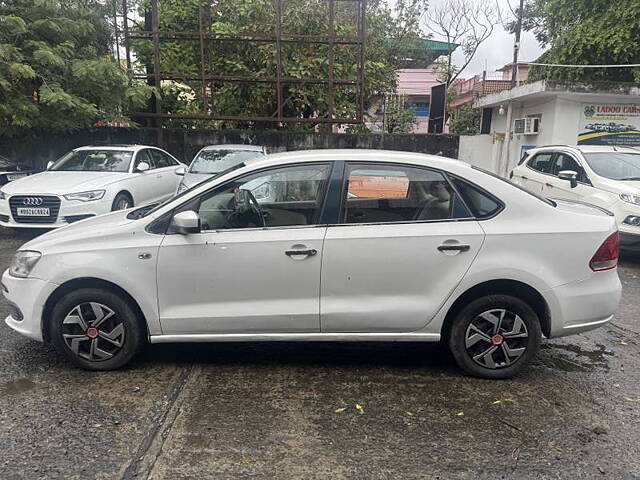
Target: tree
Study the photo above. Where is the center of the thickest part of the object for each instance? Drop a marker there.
(55, 68)
(596, 32)
(467, 23)
(465, 120)
(299, 17)
(398, 117)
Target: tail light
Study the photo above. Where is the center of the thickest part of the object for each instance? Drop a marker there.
(606, 257)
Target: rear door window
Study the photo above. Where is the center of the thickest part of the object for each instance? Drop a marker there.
(383, 194)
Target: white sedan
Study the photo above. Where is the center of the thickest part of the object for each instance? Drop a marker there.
(343, 245)
(90, 181)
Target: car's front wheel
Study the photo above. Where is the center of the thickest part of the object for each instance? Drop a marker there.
(495, 336)
(96, 329)
(121, 202)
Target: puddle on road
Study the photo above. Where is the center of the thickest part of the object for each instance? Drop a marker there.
(16, 387)
(572, 358)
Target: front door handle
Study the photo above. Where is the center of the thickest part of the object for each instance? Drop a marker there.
(454, 248)
(296, 253)
(549, 184)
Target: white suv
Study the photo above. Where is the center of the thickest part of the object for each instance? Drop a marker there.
(90, 181)
(608, 177)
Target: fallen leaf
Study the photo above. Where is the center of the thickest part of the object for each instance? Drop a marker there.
(635, 400)
(496, 402)
(622, 342)
(460, 414)
(411, 414)
(340, 410)
(359, 408)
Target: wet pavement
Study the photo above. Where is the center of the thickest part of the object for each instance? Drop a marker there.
(353, 411)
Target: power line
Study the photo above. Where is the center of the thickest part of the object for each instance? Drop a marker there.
(628, 65)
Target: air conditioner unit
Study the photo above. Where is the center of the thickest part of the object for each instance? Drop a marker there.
(526, 126)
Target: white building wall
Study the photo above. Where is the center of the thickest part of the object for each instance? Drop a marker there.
(558, 125)
(478, 150)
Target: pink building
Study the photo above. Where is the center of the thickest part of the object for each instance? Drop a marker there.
(415, 84)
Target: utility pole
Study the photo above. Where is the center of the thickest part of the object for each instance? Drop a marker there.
(504, 168)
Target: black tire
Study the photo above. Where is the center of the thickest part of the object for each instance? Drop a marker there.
(461, 327)
(121, 199)
(131, 342)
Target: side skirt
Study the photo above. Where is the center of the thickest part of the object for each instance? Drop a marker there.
(298, 337)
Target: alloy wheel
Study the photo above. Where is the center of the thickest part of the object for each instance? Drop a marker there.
(93, 331)
(496, 338)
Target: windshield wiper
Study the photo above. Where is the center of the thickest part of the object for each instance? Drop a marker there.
(629, 178)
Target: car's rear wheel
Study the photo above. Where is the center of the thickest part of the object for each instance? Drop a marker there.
(96, 329)
(495, 336)
(122, 202)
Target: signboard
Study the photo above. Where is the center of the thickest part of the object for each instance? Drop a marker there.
(609, 124)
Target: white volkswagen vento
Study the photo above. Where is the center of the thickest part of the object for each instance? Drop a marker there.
(90, 181)
(347, 245)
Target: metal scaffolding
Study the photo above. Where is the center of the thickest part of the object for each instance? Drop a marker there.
(206, 79)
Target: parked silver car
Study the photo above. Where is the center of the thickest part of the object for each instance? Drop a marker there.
(214, 159)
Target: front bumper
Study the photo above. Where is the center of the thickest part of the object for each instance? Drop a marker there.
(28, 295)
(581, 306)
(69, 212)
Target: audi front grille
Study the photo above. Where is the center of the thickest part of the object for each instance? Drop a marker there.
(33, 201)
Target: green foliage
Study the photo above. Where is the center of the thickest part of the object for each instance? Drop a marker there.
(398, 117)
(55, 69)
(585, 32)
(306, 61)
(465, 120)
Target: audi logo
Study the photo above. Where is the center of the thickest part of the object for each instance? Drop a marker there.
(32, 201)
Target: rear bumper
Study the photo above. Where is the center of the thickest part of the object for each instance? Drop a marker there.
(581, 306)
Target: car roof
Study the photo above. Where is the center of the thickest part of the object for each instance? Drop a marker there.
(361, 155)
(128, 147)
(586, 148)
(231, 146)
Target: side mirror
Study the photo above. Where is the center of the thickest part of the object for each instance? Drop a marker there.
(181, 171)
(185, 223)
(50, 164)
(142, 167)
(570, 175)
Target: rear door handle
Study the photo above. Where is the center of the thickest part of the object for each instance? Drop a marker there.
(454, 248)
(549, 185)
(295, 253)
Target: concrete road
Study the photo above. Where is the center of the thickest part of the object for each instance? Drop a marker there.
(270, 410)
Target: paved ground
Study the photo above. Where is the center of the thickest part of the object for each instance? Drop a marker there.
(269, 410)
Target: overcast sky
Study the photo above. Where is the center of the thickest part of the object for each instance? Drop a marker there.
(497, 50)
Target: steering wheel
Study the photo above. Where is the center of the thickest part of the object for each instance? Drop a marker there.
(246, 209)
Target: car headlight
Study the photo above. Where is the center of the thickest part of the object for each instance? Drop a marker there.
(630, 198)
(23, 262)
(86, 196)
(182, 187)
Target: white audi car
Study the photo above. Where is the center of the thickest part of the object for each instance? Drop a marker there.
(90, 181)
(348, 245)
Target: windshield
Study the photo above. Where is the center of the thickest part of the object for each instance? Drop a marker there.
(216, 161)
(615, 165)
(94, 161)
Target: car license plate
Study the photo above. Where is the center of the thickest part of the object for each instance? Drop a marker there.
(15, 176)
(33, 212)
